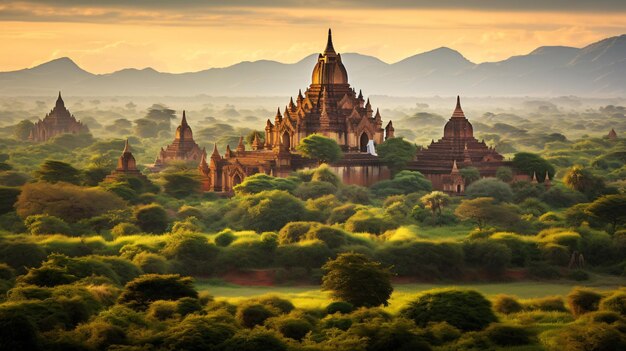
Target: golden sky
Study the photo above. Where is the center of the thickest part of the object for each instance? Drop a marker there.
(104, 36)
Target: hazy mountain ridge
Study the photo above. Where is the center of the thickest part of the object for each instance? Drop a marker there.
(598, 69)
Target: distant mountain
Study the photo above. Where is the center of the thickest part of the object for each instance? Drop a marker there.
(598, 69)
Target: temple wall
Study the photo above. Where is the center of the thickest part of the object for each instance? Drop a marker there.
(361, 175)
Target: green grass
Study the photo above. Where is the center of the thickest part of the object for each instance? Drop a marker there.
(313, 297)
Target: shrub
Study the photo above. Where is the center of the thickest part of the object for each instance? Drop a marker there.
(341, 213)
(368, 221)
(252, 314)
(578, 275)
(100, 335)
(332, 237)
(151, 218)
(46, 224)
(463, 309)
(224, 238)
(266, 211)
(293, 232)
(490, 187)
(151, 263)
(141, 291)
(494, 257)
(506, 304)
(162, 310)
(18, 332)
(590, 336)
(404, 182)
(312, 190)
(197, 333)
(122, 229)
(188, 305)
(546, 304)
(581, 301)
(508, 335)
(290, 326)
(615, 303)
(255, 340)
(339, 307)
(20, 255)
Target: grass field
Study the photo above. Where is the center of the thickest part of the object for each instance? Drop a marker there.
(313, 297)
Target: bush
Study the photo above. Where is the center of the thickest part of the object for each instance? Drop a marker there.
(8, 197)
(255, 340)
(197, 333)
(369, 221)
(615, 303)
(266, 211)
(46, 224)
(490, 255)
(293, 232)
(405, 182)
(490, 187)
(151, 218)
(141, 291)
(578, 275)
(339, 307)
(508, 335)
(162, 310)
(151, 263)
(581, 301)
(546, 304)
(290, 326)
(224, 238)
(18, 332)
(590, 336)
(20, 255)
(122, 229)
(253, 314)
(463, 309)
(332, 237)
(312, 190)
(506, 304)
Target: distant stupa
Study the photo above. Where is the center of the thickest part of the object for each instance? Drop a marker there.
(58, 121)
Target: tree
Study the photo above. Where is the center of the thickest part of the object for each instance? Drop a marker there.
(436, 201)
(8, 197)
(404, 182)
(151, 218)
(56, 171)
(45, 224)
(269, 210)
(482, 211)
(490, 187)
(505, 174)
(581, 179)
(22, 130)
(69, 202)
(141, 291)
(180, 185)
(396, 153)
(532, 163)
(325, 150)
(609, 208)
(463, 309)
(261, 182)
(356, 279)
(470, 174)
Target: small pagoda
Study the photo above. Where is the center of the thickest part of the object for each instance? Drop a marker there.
(612, 135)
(126, 166)
(183, 148)
(58, 121)
(441, 161)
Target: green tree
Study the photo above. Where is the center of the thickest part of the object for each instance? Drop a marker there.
(530, 163)
(151, 218)
(490, 187)
(22, 130)
(321, 148)
(356, 279)
(69, 202)
(141, 291)
(180, 185)
(483, 211)
(435, 201)
(56, 171)
(404, 182)
(463, 309)
(396, 153)
(610, 208)
(581, 179)
(8, 198)
(262, 182)
(505, 174)
(470, 174)
(268, 210)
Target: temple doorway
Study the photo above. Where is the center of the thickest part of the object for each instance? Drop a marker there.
(236, 180)
(458, 188)
(363, 142)
(286, 140)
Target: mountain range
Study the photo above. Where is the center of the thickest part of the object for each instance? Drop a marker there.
(597, 70)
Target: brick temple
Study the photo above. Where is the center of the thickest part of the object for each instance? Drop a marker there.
(183, 148)
(330, 107)
(126, 166)
(58, 121)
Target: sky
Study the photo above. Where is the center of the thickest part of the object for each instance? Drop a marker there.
(192, 35)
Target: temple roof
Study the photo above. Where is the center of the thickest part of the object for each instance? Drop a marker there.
(458, 111)
(330, 50)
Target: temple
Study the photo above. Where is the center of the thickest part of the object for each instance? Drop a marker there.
(612, 134)
(329, 107)
(183, 148)
(441, 160)
(126, 166)
(58, 121)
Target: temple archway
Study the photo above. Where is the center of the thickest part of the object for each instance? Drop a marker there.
(458, 188)
(236, 179)
(286, 140)
(363, 140)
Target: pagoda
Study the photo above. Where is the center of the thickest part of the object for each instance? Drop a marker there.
(126, 166)
(330, 107)
(58, 121)
(441, 160)
(183, 148)
(612, 134)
